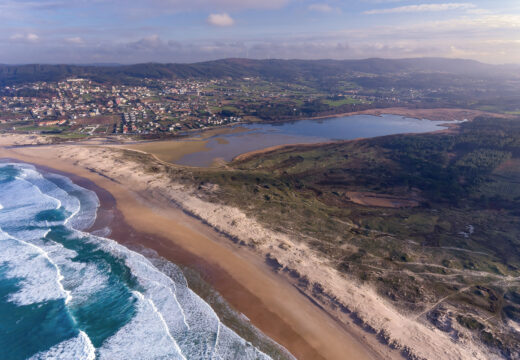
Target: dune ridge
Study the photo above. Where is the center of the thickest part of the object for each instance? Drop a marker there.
(357, 307)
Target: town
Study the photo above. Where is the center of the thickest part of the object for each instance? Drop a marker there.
(79, 107)
(164, 106)
(84, 107)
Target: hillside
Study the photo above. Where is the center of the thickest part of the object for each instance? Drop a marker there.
(430, 221)
(286, 70)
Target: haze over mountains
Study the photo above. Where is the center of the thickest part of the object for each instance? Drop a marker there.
(275, 69)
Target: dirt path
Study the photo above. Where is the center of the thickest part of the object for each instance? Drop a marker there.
(441, 301)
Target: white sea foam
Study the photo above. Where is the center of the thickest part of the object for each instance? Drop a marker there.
(22, 200)
(86, 214)
(191, 321)
(58, 189)
(103, 232)
(171, 321)
(146, 336)
(41, 277)
(63, 200)
(34, 260)
(81, 279)
(38, 264)
(77, 348)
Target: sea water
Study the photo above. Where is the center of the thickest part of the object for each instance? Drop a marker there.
(67, 294)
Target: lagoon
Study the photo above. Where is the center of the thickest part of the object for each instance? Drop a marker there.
(258, 136)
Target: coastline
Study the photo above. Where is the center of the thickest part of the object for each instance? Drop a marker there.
(449, 128)
(352, 320)
(170, 151)
(197, 271)
(437, 114)
(268, 300)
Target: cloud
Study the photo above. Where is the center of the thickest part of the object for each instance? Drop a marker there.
(146, 43)
(74, 40)
(33, 11)
(212, 5)
(422, 8)
(32, 37)
(221, 20)
(491, 37)
(182, 4)
(479, 28)
(324, 8)
(29, 37)
(478, 39)
(382, 1)
(19, 10)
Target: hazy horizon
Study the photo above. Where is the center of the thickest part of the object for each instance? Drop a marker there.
(108, 64)
(180, 31)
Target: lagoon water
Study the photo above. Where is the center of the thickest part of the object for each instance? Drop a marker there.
(67, 294)
(259, 136)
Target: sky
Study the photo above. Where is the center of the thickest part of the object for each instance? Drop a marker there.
(133, 31)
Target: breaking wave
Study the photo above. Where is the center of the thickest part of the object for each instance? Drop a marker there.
(68, 294)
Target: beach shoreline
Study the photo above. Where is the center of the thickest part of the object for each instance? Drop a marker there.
(171, 151)
(287, 290)
(244, 280)
(435, 114)
(154, 247)
(448, 128)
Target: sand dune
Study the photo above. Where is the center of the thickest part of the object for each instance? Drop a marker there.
(156, 211)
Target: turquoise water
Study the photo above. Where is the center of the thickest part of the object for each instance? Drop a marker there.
(260, 136)
(67, 294)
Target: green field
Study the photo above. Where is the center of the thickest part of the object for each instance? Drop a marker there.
(345, 101)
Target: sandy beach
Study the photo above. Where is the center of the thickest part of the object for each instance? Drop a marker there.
(260, 272)
(270, 302)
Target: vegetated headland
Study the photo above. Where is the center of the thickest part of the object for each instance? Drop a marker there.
(155, 218)
(429, 221)
(406, 240)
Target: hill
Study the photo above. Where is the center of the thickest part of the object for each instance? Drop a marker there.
(275, 69)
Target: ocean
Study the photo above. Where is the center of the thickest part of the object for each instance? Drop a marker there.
(68, 294)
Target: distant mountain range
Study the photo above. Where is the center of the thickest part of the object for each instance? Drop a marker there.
(282, 70)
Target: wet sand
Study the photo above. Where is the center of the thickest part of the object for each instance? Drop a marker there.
(169, 150)
(271, 303)
(202, 150)
(172, 150)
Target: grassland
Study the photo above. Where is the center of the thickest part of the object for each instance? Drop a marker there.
(344, 101)
(452, 261)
